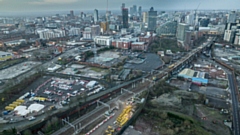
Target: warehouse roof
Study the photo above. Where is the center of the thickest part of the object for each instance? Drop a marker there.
(4, 53)
(187, 72)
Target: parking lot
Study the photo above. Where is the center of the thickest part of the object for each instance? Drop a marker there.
(83, 70)
(107, 58)
(48, 93)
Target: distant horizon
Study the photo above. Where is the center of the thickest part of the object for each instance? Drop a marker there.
(77, 12)
(28, 7)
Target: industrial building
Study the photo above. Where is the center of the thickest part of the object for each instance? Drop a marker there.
(196, 77)
(5, 56)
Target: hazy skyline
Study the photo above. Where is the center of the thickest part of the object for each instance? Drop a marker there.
(57, 5)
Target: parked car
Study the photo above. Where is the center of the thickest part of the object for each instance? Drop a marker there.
(31, 118)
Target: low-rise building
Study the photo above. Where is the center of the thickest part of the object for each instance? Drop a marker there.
(122, 44)
(149, 38)
(75, 31)
(194, 76)
(141, 46)
(103, 40)
(14, 42)
(51, 33)
(5, 56)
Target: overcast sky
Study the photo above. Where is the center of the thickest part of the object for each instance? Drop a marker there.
(81, 5)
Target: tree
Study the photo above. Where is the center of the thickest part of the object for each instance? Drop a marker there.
(48, 127)
(163, 115)
(186, 123)
(11, 131)
(55, 122)
(27, 132)
(168, 123)
(170, 132)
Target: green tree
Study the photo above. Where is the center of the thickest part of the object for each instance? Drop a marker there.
(27, 132)
(48, 127)
(168, 123)
(186, 123)
(55, 122)
(11, 131)
(163, 115)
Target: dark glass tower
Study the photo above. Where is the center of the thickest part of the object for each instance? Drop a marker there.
(125, 17)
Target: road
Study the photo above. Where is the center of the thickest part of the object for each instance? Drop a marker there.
(236, 127)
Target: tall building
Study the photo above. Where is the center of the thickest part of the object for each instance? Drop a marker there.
(81, 15)
(181, 31)
(231, 29)
(152, 19)
(108, 15)
(145, 17)
(168, 28)
(87, 34)
(95, 16)
(140, 11)
(71, 14)
(134, 10)
(231, 17)
(131, 11)
(189, 19)
(104, 26)
(204, 22)
(125, 17)
(123, 6)
(95, 30)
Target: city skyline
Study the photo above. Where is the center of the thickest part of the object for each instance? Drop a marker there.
(59, 5)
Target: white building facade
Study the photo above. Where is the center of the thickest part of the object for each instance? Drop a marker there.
(103, 40)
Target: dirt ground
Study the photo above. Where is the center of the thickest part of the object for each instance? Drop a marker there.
(212, 115)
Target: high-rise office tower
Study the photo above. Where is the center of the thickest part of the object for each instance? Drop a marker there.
(134, 10)
(140, 11)
(131, 11)
(95, 16)
(181, 31)
(231, 17)
(125, 17)
(123, 6)
(82, 15)
(145, 17)
(152, 19)
(71, 14)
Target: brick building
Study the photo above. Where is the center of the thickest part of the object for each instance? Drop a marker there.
(141, 46)
(122, 44)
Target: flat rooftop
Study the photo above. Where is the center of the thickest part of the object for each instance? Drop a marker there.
(139, 43)
(4, 53)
